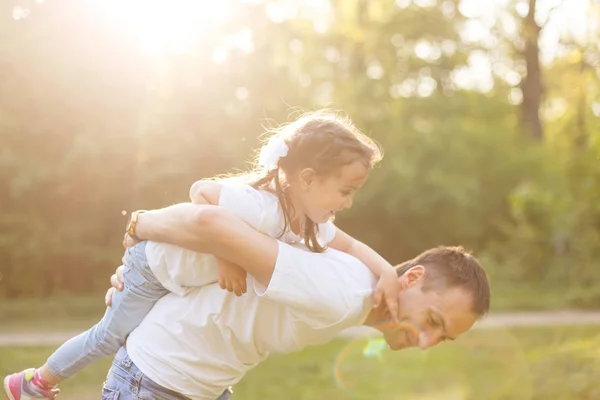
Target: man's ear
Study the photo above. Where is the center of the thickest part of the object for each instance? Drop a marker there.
(306, 177)
(412, 277)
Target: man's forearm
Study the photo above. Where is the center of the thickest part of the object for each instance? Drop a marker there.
(211, 229)
(171, 224)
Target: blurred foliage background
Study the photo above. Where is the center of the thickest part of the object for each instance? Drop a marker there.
(489, 116)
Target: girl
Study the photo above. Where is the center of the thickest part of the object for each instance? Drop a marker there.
(307, 172)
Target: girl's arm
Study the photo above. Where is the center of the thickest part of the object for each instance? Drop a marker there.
(205, 192)
(387, 288)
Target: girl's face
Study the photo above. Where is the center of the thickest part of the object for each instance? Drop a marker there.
(321, 197)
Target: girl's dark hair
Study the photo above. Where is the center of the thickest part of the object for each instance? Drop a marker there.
(322, 141)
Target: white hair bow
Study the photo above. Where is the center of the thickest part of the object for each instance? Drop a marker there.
(272, 152)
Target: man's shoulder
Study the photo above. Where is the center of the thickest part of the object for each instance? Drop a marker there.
(341, 287)
(352, 273)
(334, 271)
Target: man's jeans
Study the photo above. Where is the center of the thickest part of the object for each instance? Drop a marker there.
(126, 382)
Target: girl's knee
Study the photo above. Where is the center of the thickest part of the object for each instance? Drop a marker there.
(108, 342)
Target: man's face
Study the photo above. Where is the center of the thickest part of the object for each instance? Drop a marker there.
(430, 317)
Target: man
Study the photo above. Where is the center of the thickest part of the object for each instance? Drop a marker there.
(196, 346)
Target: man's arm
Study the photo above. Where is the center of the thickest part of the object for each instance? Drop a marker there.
(212, 229)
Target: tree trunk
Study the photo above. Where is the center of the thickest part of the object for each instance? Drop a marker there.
(582, 104)
(532, 84)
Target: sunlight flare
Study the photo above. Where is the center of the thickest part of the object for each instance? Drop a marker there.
(172, 26)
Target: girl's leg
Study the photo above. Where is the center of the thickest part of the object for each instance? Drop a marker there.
(129, 307)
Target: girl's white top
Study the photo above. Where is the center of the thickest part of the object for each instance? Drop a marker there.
(180, 269)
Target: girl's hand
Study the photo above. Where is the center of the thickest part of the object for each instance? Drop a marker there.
(387, 288)
(232, 277)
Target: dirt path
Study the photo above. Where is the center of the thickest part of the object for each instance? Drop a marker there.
(28, 338)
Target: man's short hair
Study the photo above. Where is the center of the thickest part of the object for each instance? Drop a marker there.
(452, 266)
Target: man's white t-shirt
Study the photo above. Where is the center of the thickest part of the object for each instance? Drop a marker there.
(179, 269)
(201, 343)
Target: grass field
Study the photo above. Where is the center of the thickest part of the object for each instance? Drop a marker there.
(57, 314)
(561, 363)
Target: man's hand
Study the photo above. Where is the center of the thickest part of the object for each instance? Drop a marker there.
(232, 277)
(387, 288)
(116, 280)
(128, 241)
